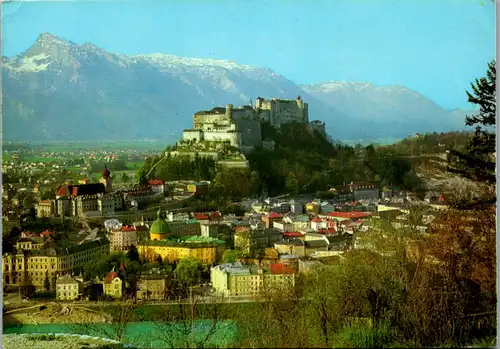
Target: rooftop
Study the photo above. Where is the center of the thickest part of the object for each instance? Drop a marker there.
(349, 215)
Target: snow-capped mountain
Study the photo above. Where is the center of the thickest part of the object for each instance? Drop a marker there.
(58, 89)
(395, 107)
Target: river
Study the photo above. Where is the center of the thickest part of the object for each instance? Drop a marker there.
(144, 334)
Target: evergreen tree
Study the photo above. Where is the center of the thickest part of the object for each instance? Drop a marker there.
(476, 160)
(133, 254)
(46, 283)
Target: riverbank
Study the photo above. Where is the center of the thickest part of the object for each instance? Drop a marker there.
(56, 341)
(201, 333)
(54, 314)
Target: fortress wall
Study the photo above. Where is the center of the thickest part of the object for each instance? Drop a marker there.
(251, 133)
(215, 135)
(318, 126)
(210, 119)
(202, 154)
(242, 114)
(188, 135)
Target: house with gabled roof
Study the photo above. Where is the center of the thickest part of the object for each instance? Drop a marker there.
(113, 285)
(270, 218)
(292, 247)
(68, 288)
(315, 245)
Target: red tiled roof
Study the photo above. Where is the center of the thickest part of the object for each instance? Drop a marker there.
(75, 191)
(46, 233)
(156, 182)
(63, 191)
(274, 215)
(105, 173)
(216, 214)
(293, 234)
(279, 268)
(351, 215)
(201, 217)
(317, 220)
(127, 228)
(110, 276)
(327, 231)
(45, 202)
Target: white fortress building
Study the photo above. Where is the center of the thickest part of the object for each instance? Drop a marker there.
(241, 127)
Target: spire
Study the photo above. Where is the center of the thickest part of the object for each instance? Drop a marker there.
(105, 173)
(159, 214)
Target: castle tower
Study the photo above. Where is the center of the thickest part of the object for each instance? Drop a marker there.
(106, 179)
(229, 111)
(300, 102)
(258, 102)
(303, 109)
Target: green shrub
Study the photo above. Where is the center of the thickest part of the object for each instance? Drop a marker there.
(364, 336)
(42, 337)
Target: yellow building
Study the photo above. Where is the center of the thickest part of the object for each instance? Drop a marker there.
(236, 279)
(44, 208)
(37, 259)
(385, 208)
(203, 249)
(312, 207)
(113, 285)
(67, 288)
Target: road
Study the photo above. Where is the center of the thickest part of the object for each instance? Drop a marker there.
(17, 304)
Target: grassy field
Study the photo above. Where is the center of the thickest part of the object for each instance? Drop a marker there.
(34, 158)
(157, 145)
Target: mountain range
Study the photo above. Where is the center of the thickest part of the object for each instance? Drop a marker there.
(59, 90)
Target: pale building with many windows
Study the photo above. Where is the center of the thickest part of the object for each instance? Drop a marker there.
(68, 288)
(122, 239)
(38, 258)
(236, 279)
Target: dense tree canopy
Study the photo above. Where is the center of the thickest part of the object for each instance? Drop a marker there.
(476, 160)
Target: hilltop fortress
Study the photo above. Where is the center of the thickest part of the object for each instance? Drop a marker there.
(241, 127)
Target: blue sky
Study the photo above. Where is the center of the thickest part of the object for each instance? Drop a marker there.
(436, 47)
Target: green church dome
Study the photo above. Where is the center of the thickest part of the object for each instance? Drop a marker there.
(159, 226)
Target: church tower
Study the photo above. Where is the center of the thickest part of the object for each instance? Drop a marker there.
(106, 179)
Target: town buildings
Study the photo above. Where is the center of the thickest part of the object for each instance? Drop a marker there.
(68, 288)
(44, 208)
(152, 287)
(121, 239)
(237, 279)
(113, 285)
(98, 199)
(38, 258)
(253, 240)
(203, 249)
(158, 186)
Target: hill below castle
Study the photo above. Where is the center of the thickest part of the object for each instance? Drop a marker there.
(60, 90)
